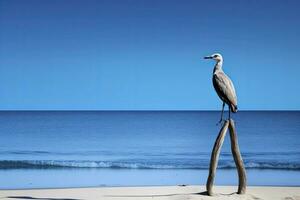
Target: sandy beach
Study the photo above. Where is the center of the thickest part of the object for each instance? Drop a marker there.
(155, 192)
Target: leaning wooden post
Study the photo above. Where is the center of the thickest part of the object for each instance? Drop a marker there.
(215, 157)
(237, 158)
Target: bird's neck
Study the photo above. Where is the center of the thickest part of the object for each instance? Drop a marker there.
(218, 66)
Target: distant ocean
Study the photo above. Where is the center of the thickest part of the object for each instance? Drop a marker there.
(117, 148)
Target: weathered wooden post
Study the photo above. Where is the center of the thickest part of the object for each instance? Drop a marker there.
(236, 155)
(237, 158)
(215, 158)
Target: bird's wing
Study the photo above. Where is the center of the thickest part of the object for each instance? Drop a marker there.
(224, 87)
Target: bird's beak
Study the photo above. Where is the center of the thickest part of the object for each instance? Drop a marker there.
(208, 57)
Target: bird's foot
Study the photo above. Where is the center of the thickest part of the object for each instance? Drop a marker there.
(222, 121)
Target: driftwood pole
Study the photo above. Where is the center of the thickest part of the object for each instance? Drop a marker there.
(237, 158)
(215, 157)
(236, 155)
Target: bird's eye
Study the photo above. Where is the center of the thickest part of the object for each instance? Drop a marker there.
(215, 56)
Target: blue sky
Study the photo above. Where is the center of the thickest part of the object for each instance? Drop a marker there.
(147, 55)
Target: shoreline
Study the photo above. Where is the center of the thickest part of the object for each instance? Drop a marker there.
(82, 178)
(139, 186)
(196, 192)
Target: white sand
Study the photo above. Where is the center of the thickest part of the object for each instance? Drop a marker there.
(162, 192)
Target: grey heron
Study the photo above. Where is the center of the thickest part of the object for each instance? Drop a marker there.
(223, 85)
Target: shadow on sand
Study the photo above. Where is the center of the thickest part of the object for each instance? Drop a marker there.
(38, 198)
(159, 195)
(205, 193)
(120, 196)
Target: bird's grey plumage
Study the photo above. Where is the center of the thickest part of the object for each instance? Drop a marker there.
(225, 89)
(223, 85)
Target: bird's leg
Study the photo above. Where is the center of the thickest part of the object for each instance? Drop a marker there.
(229, 111)
(221, 114)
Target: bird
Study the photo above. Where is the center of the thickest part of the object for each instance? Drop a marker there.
(223, 85)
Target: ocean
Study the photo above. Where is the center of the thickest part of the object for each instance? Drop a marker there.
(53, 149)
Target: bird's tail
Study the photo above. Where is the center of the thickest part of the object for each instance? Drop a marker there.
(234, 108)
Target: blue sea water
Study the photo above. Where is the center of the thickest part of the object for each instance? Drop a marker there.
(118, 148)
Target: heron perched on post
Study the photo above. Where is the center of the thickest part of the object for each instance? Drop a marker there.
(223, 85)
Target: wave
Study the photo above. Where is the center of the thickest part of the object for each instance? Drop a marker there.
(59, 164)
(88, 153)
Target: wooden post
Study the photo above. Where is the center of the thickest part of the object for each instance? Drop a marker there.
(237, 158)
(215, 157)
(236, 155)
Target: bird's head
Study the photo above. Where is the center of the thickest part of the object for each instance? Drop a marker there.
(216, 56)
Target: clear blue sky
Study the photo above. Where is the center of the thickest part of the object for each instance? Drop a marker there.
(138, 54)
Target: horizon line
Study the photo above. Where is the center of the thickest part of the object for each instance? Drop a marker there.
(141, 110)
